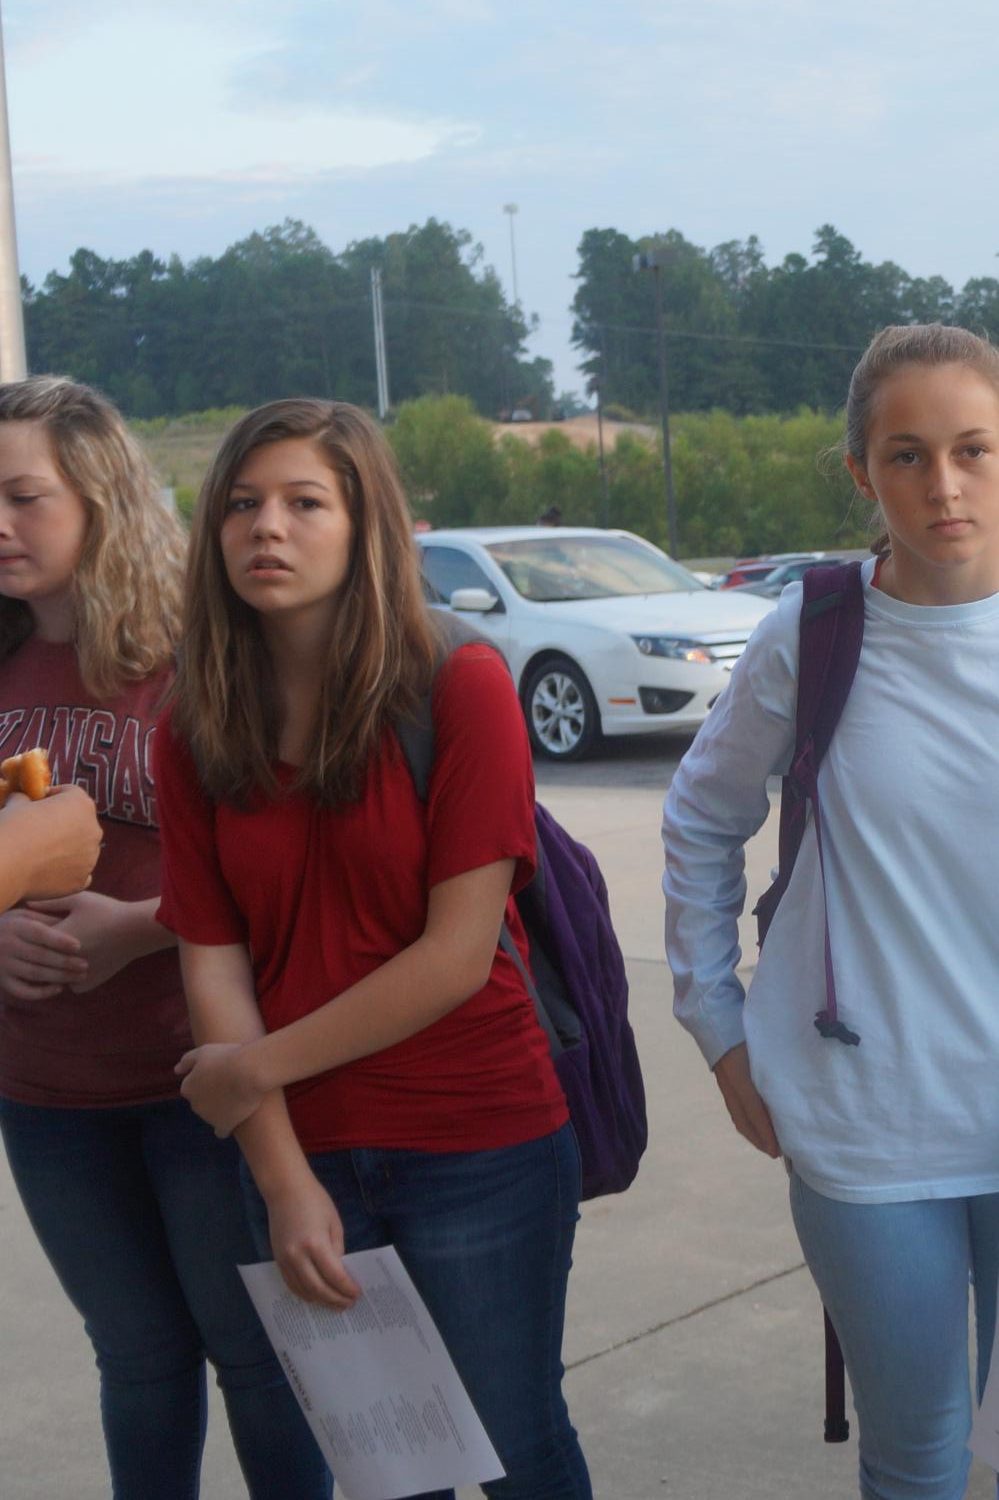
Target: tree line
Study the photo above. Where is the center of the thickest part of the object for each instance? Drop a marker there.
(280, 314)
(742, 335)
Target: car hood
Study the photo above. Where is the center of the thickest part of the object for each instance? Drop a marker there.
(704, 612)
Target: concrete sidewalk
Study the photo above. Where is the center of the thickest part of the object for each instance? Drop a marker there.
(694, 1342)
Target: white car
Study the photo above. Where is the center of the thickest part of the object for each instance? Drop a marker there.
(604, 634)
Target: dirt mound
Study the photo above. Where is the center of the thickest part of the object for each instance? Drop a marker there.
(581, 431)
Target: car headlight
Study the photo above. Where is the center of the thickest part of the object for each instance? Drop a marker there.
(672, 646)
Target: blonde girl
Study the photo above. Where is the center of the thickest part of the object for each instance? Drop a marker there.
(134, 1202)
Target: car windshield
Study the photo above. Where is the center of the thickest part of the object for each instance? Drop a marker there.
(554, 569)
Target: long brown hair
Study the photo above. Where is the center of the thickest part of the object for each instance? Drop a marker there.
(908, 344)
(127, 592)
(382, 644)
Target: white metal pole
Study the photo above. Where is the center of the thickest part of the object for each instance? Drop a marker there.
(13, 361)
(374, 334)
(381, 361)
(671, 524)
(381, 334)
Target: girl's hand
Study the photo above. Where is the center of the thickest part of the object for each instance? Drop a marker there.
(101, 927)
(38, 958)
(750, 1115)
(52, 845)
(308, 1245)
(217, 1087)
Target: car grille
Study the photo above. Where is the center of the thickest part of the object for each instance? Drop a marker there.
(725, 649)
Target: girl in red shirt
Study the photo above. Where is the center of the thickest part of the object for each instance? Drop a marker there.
(377, 1056)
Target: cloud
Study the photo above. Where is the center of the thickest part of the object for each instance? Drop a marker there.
(282, 152)
(178, 121)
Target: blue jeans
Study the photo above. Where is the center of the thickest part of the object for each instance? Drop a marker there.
(894, 1279)
(487, 1238)
(140, 1213)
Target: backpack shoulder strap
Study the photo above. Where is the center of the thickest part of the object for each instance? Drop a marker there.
(415, 732)
(830, 634)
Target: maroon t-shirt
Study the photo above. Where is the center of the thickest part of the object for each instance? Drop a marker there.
(116, 1044)
(323, 896)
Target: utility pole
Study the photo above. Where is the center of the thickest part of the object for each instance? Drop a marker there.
(601, 387)
(13, 361)
(653, 261)
(381, 364)
(596, 387)
(511, 209)
(604, 496)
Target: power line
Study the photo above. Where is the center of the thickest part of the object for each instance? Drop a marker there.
(728, 338)
(507, 315)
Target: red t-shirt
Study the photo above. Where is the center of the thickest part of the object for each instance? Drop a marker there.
(116, 1044)
(323, 896)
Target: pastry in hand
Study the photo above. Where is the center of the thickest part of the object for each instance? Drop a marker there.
(29, 773)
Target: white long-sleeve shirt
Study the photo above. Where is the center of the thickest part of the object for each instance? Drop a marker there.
(909, 791)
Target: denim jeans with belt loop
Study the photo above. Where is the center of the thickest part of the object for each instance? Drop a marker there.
(487, 1238)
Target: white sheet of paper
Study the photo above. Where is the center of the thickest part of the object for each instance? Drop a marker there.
(376, 1383)
(984, 1439)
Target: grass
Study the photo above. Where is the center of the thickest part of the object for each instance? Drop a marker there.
(181, 448)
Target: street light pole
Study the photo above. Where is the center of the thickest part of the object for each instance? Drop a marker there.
(511, 209)
(652, 261)
(13, 361)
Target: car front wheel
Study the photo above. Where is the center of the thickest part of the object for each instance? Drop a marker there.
(562, 718)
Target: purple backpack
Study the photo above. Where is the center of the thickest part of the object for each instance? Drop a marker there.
(577, 979)
(830, 636)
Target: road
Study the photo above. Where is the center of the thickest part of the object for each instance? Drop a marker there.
(624, 762)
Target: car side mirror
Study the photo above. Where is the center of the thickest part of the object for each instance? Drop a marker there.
(475, 601)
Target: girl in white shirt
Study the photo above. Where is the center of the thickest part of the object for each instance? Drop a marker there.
(893, 1144)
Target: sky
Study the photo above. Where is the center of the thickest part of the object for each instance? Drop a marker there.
(183, 125)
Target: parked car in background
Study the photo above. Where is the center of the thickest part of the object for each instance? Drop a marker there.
(604, 633)
(755, 569)
(771, 584)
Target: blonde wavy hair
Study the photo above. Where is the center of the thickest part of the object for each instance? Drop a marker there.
(128, 583)
(382, 646)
